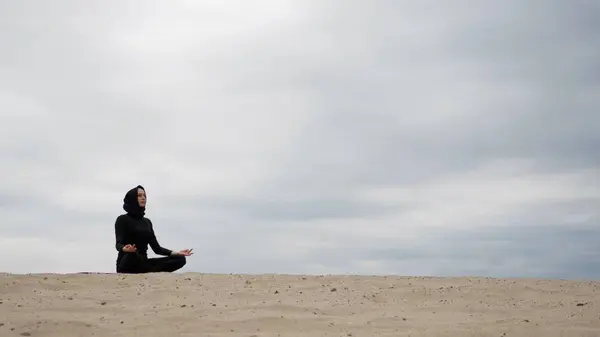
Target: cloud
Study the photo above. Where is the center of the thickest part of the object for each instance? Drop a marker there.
(304, 137)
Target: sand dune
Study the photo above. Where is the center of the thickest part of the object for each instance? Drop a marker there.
(282, 305)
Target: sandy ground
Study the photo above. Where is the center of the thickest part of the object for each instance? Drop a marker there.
(279, 305)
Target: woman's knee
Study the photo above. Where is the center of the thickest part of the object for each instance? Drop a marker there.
(180, 260)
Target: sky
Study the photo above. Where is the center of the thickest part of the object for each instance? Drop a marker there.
(426, 138)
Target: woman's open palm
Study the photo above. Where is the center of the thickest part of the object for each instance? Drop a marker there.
(129, 249)
(186, 252)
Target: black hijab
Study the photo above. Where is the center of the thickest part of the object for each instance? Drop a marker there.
(130, 203)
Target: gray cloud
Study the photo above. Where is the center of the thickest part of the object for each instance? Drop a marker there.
(305, 137)
(536, 249)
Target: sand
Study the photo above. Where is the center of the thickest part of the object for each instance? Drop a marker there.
(288, 305)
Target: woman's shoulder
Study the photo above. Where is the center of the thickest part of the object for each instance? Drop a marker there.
(127, 217)
(124, 218)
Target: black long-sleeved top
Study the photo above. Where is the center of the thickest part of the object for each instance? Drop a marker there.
(138, 231)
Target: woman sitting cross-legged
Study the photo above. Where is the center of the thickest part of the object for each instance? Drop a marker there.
(134, 233)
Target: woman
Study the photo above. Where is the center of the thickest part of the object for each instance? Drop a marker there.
(134, 233)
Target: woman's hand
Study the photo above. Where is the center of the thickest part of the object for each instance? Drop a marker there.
(185, 252)
(129, 249)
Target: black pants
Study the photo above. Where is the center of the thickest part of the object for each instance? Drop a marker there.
(133, 263)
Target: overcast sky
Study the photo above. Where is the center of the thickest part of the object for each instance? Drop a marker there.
(366, 137)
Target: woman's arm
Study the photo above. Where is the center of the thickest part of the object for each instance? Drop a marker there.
(119, 234)
(156, 247)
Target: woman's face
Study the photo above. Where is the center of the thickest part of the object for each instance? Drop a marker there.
(141, 197)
